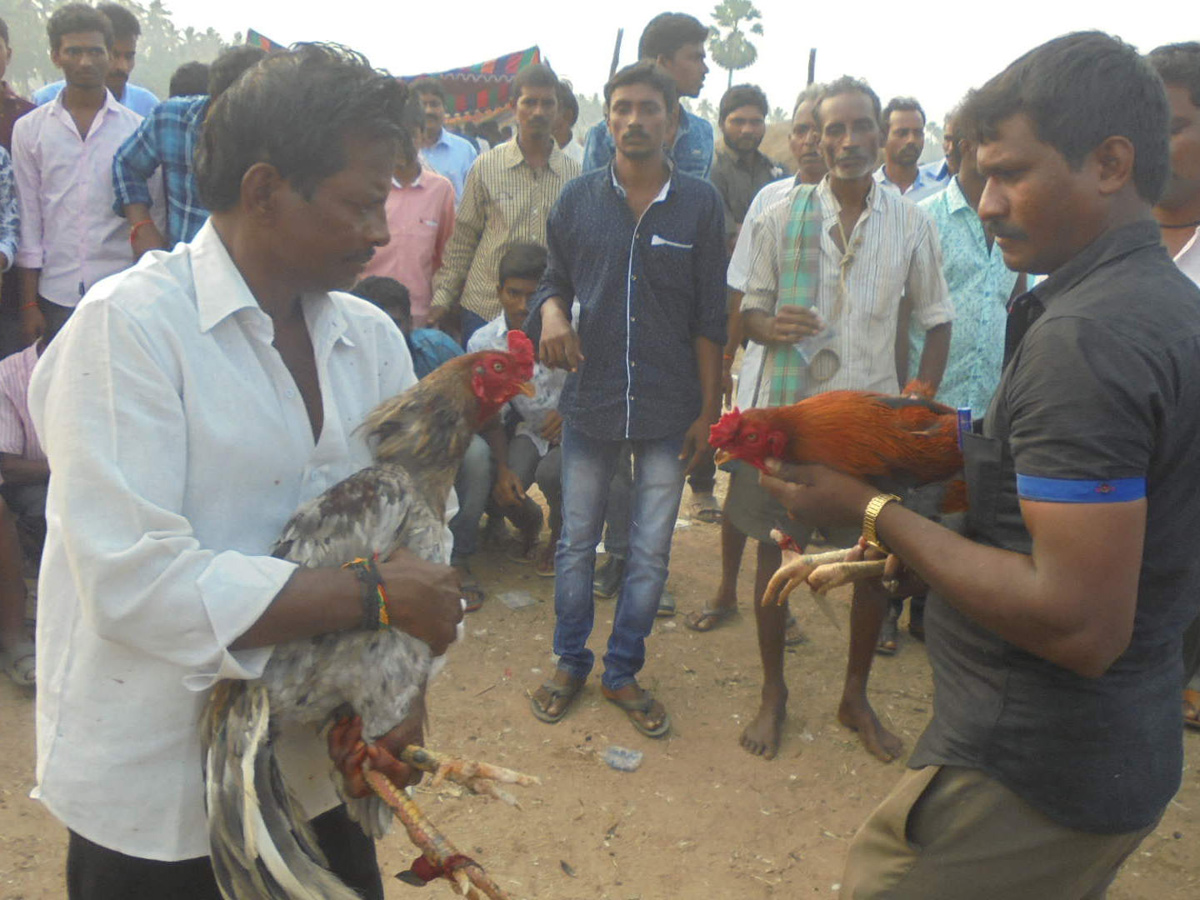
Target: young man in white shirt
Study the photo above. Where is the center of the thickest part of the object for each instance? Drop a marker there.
(187, 409)
(62, 157)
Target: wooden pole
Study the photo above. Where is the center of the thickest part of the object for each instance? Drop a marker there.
(616, 59)
(812, 65)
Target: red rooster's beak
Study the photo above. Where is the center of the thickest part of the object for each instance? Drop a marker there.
(721, 457)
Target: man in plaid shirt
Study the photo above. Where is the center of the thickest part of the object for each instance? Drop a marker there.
(167, 139)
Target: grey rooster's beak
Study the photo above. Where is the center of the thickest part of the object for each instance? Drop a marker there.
(527, 389)
(721, 457)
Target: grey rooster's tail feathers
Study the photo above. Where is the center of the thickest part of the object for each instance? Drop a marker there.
(262, 849)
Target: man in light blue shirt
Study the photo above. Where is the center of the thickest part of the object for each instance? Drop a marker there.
(904, 132)
(980, 287)
(675, 41)
(445, 153)
(122, 58)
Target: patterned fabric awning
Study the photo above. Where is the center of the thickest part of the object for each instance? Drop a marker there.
(257, 39)
(478, 92)
(473, 93)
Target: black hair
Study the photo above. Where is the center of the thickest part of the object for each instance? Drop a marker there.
(900, 104)
(645, 72)
(124, 23)
(386, 293)
(567, 102)
(295, 110)
(848, 85)
(1179, 65)
(667, 32)
(77, 18)
(812, 94)
(229, 66)
(189, 80)
(1079, 90)
(743, 95)
(536, 75)
(429, 86)
(522, 261)
(4, 31)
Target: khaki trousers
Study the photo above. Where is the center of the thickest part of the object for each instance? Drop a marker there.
(950, 833)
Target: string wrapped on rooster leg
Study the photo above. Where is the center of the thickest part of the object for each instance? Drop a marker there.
(444, 860)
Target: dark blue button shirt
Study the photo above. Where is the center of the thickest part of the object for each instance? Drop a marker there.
(646, 290)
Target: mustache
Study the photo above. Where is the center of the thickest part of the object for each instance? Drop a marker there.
(1004, 230)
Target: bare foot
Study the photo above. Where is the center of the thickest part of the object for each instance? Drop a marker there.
(859, 717)
(761, 737)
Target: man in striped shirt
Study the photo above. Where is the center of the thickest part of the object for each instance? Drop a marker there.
(508, 197)
(874, 248)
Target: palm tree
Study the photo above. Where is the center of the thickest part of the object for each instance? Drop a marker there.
(728, 44)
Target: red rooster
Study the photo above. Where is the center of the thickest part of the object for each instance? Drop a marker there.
(905, 441)
(260, 849)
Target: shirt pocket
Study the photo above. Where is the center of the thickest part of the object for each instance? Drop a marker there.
(668, 263)
(983, 465)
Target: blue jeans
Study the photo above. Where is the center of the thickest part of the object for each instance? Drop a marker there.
(587, 470)
(473, 484)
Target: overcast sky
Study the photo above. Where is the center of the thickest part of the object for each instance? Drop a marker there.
(932, 58)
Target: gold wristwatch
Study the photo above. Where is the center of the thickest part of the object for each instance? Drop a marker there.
(878, 502)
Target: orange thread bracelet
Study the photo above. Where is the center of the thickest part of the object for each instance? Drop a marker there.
(133, 229)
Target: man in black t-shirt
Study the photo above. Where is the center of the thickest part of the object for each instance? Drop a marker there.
(1055, 626)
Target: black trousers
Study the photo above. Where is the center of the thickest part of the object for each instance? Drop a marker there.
(97, 873)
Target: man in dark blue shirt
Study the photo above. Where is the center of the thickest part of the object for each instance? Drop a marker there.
(641, 247)
(1055, 626)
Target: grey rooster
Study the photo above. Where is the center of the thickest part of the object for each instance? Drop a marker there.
(261, 847)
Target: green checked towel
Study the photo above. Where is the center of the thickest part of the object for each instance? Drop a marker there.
(799, 270)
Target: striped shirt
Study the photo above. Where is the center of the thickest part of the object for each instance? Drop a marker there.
(505, 201)
(16, 427)
(895, 253)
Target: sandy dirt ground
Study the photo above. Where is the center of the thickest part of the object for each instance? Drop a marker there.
(699, 819)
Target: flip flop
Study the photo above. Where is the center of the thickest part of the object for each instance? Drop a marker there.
(472, 593)
(707, 510)
(567, 692)
(543, 566)
(1191, 708)
(889, 637)
(643, 705)
(707, 620)
(793, 636)
(20, 663)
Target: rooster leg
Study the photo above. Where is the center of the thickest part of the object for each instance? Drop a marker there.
(477, 777)
(797, 567)
(464, 873)
(825, 578)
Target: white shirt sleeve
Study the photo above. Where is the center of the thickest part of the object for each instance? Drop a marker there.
(142, 577)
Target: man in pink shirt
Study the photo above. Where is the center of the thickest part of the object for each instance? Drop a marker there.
(420, 216)
(24, 476)
(62, 159)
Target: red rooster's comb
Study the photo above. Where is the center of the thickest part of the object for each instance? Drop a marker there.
(521, 348)
(726, 429)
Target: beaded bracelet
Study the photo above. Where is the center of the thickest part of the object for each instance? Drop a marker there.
(374, 597)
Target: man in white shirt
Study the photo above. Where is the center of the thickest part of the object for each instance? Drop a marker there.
(904, 133)
(190, 405)
(859, 249)
(62, 157)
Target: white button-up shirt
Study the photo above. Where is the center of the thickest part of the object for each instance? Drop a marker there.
(65, 195)
(179, 447)
(895, 254)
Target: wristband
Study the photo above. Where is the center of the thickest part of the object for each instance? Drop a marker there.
(374, 596)
(874, 508)
(30, 305)
(133, 229)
